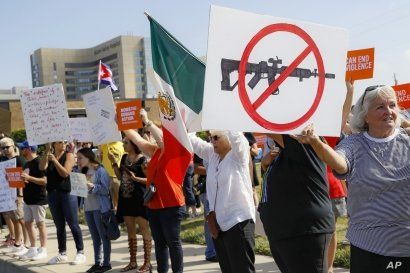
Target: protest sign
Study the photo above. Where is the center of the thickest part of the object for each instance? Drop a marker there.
(45, 114)
(360, 64)
(7, 195)
(267, 74)
(100, 109)
(78, 184)
(14, 177)
(80, 130)
(403, 95)
(128, 116)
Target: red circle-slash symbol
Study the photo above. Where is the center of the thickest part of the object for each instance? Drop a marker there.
(251, 108)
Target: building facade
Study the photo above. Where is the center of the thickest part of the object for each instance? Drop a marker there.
(129, 57)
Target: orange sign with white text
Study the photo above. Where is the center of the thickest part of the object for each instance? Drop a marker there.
(360, 64)
(14, 177)
(128, 116)
(403, 95)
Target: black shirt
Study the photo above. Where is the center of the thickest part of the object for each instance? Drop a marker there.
(298, 200)
(54, 180)
(201, 186)
(34, 194)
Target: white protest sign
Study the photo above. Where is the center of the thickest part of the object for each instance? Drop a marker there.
(267, 74)
(100, 109)
(7, 195)
(78, 184)
(80, 130)
(45, 114)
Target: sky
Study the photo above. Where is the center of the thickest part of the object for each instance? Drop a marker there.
(27, 25)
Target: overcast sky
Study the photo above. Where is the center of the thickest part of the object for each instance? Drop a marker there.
(27, 25)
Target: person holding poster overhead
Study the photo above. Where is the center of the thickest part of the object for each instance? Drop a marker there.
(58, 164)
(375, 163)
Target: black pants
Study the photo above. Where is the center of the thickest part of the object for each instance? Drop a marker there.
(362, 261)
(307, 254)
(235, 248)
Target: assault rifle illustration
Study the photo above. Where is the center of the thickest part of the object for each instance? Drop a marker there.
(263, 70)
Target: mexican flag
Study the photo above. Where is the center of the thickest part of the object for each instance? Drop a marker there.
(180, 69)
(167, 78)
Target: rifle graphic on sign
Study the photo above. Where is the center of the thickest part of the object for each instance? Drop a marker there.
(262, 70)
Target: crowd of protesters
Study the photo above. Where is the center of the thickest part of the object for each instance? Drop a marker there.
(306, 181)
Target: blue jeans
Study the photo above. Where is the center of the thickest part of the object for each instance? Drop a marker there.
(210, 249)
(165, 227)
(187, 186)
(95, 225)
(64, 208)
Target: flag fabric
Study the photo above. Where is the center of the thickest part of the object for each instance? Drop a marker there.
(177, 146)
(105, 76)
(180, 69)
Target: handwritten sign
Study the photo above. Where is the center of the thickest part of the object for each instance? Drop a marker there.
(80, 130)
(7, 195)
(14, 177)
(45, 114)
(403, 95)
(360, 64)
(128, 115)
(100, 109)
(78, 185)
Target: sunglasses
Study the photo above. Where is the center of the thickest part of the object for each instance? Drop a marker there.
(369, 89)
(5, 147)
(62, 142)
(215, 137)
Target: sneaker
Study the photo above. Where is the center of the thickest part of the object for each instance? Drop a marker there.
(94, 268)
(103, 268)
(21, 252)
(29, 254)
(79, 259)
(60, 258)
(41, 254)
(16, 249)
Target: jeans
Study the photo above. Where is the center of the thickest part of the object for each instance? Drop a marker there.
(97, 231)
(64, 208)
(165, 227)
(188, 186)
(210, 249)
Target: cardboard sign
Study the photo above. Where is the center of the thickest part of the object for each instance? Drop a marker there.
(78, 185)
(7, 195)
(403, 95)
(80, 130)
(45, 114)
(100, 109)
(360, 64)
(267, 74)
(14, 177)
(128, 116)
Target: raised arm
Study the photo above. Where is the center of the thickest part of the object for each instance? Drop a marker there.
(239, 145)
(347, 105)
(44, 159)
(144, 145)
(201, 148)
(63, 171)
(153, 129)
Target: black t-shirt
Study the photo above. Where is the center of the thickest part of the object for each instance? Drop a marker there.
(54, 180)
(298, 200)
(201, 186)
(34, 194)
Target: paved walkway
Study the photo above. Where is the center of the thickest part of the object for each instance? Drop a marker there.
(193, 257)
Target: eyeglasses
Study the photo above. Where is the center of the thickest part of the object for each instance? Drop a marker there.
(62, 142)
(369, 89)
(215, 137)
(5, 147)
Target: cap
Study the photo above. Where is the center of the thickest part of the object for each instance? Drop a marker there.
(26, 145)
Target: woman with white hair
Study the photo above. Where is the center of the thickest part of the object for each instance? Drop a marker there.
(229, 190)
(375, 162)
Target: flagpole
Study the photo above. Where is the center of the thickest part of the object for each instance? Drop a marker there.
(98, 76)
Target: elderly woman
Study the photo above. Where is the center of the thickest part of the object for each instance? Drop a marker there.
(375, 163)
(230, 195)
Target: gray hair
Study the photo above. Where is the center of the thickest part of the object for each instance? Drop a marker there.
(358, 123)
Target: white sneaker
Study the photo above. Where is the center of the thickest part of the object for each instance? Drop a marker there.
(18, 249)
(79, 259)
(23, 250)
(58, 259)
(41, 254)
(29, 254)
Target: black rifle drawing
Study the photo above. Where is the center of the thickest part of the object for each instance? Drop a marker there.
(262, 70)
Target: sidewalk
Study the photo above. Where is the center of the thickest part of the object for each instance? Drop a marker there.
(193, 257)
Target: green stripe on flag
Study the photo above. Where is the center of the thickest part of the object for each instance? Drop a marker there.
(177, 66)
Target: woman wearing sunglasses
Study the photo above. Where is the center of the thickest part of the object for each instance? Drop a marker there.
(375, 162)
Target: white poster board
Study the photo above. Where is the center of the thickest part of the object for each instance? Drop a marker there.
(78, 184)
(100, 109)
(45, 114)
(267, 74)
(7, 195)
(80, 130)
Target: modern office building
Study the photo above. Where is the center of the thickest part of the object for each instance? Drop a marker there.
(128, 56)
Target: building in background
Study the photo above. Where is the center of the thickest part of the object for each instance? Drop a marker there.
(12, 94)
(128, 56)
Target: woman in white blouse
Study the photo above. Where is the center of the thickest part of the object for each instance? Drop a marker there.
(229, 191)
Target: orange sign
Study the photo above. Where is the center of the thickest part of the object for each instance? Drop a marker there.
(128, 116)
(14, 177)
(260, 139)
(360, 64)
(403, 95)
